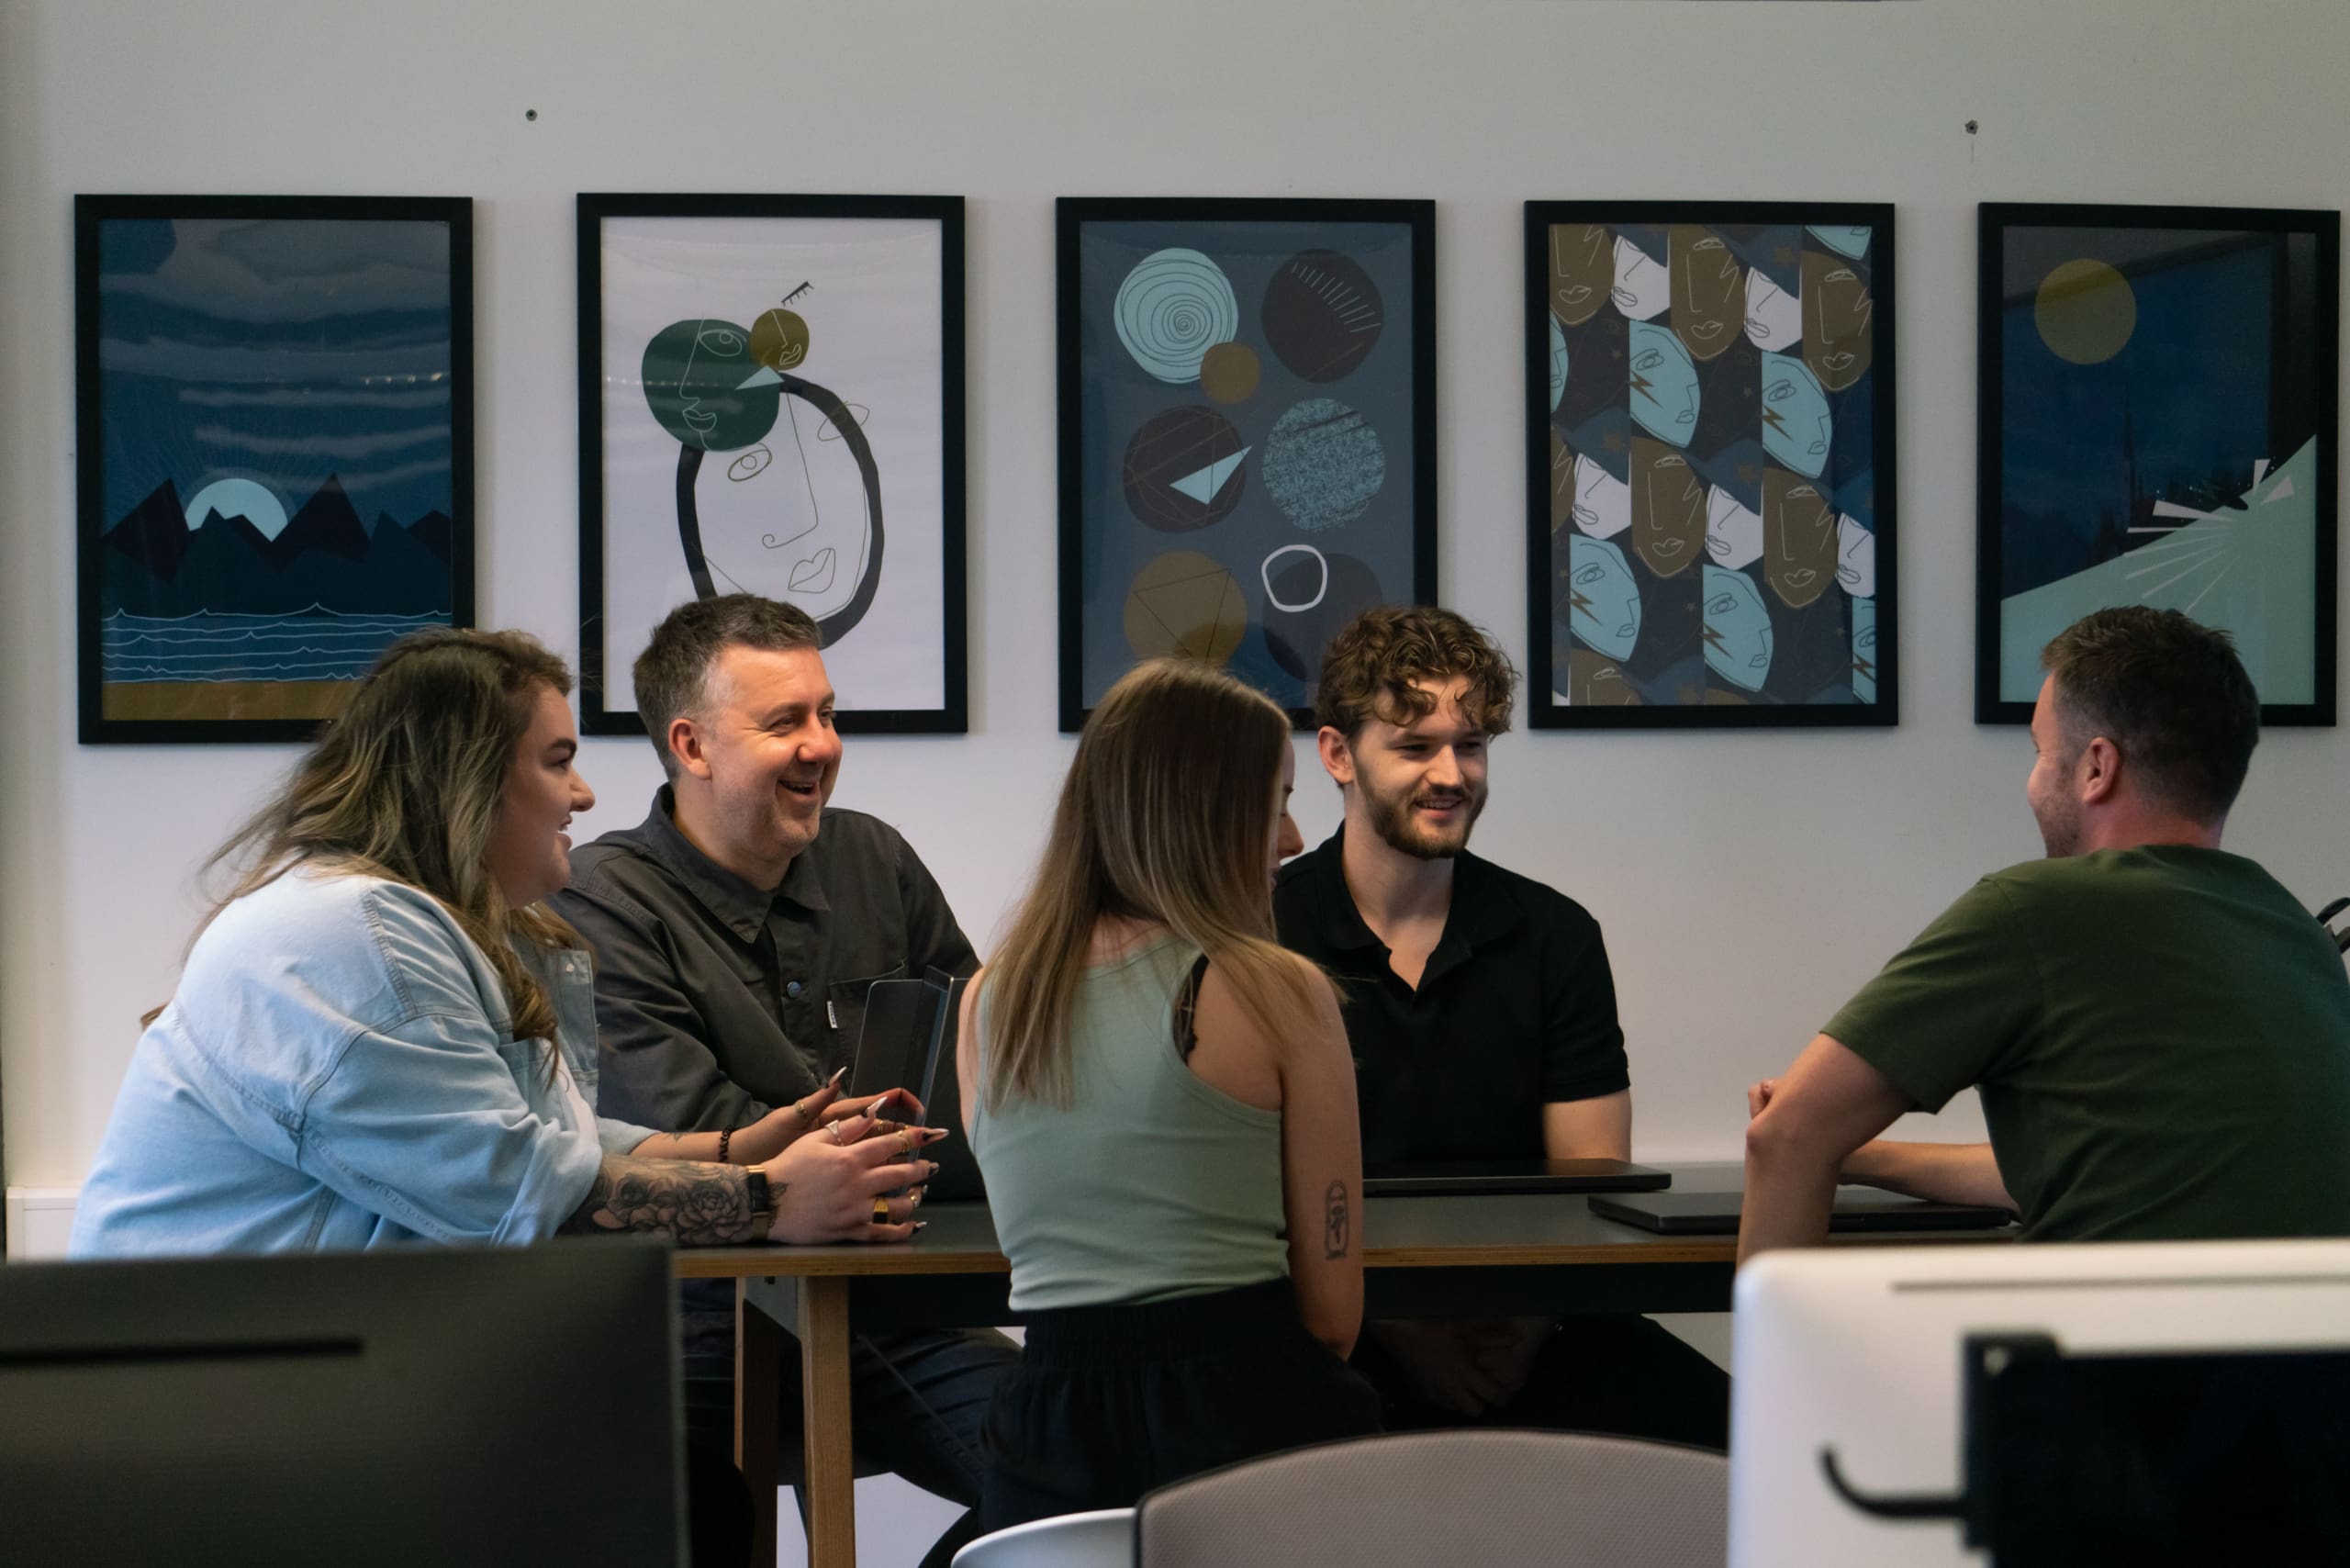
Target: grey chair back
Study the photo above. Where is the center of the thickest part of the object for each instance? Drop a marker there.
(1444, 1499)
(1102, 1539)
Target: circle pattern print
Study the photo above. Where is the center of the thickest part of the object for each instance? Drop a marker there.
(1174, 306)
(1322, 315)
(1186, 605)
(1323, 463)
(1296, 639)
(1184, 469)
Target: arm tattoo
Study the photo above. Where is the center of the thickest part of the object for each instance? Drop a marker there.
(1335, 1229)
(701, 1205)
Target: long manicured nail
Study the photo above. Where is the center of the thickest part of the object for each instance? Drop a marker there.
(834, 1081)
(922, 1225)
(934, 1134)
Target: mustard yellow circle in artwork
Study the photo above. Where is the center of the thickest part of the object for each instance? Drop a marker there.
(1186, 604)
(2085, 311)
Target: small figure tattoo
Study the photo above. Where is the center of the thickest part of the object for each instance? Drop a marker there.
(1335, 1220)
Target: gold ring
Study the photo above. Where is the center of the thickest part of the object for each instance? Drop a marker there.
(880, 1210)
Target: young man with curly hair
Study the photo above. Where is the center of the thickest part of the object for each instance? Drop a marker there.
(1482, 1014)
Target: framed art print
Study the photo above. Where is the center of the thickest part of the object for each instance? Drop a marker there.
(275, 454)
(771, 402)
(2158, 425)
(1247, 432)
(1711, 522)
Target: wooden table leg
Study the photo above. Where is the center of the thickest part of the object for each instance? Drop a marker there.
(758, 1348)
(824, 1370)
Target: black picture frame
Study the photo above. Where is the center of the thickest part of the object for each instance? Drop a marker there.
(2291, 258)
(1265, 237)
(948, 617)
(293, 399)
(1703, 699)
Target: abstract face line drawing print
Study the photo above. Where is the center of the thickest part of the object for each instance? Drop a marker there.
(1256, 378)
(1711, 523)
(778, 413)
(2162, 429)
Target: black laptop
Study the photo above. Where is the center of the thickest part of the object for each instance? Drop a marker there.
(1857, 1209)
(1483, 1176)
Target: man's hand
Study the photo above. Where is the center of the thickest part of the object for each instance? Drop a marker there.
(1445, 1363)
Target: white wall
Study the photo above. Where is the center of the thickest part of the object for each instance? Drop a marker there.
(1748, 883)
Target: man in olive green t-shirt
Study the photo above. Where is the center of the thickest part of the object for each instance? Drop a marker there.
(2160, 1032)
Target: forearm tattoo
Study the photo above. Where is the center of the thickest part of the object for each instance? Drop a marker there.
(701, 1205)
(1337, 1230)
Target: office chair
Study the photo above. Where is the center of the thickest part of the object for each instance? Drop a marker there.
(1105, 1538)
(1445, 1498)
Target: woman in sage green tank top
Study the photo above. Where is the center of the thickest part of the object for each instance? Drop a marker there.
(1163, 1103)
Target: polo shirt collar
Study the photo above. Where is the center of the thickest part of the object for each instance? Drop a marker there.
(1481, 908)
(735, 904)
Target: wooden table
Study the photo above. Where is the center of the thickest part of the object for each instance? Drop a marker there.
(1423, 1258)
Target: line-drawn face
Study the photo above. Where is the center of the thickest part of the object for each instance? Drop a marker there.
(1856, 559)
(1602, 600)
(1797, 426)
(790, 518)
(1664, 384)
(1708, 291)
(1558, 364)
(1838, 343)
(1864, 649)
(1599, 503)
(1733, 534)
(1774, 317)
(1582, 271)
(1738, 630)
(1799, 538)
(1642, 287)
(1668, 509)
(1594, 681)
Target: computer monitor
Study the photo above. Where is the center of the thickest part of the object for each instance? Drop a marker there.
(1861, 1352)
(425, 1406)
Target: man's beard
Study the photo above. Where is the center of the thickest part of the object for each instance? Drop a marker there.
(1391, 818)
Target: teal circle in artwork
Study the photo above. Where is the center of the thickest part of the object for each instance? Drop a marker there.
(1174, 306)
(1323, 463)
(694, 376)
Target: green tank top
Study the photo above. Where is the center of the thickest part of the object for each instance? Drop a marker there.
(1152, 1185)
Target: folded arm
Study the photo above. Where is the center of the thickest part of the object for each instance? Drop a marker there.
(1806, 1125)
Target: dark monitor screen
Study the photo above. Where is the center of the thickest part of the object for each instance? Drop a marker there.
(439, 1406)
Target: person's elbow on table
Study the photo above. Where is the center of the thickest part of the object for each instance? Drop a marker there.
(1802, 1127)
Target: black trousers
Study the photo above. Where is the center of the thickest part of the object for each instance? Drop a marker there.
(1621, 1374)
(1111, 1401)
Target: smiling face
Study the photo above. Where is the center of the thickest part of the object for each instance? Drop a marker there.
(1796, 425)
(1800, 538)
(529, 854)
(1664, 395)
(1603, 601)
(758, 761)
(1708, 291)
(1582, 271)
(1838, 343)
(1668, 509)
(1421, 785)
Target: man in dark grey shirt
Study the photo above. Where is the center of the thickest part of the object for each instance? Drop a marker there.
(735, 933)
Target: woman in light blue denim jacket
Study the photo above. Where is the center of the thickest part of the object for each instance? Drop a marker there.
(381, 1037)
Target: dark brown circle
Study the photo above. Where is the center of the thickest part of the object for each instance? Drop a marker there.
(1322, 315)
(1174, 460)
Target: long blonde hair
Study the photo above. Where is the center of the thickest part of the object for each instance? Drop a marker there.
(1167, 815)
(406, 785)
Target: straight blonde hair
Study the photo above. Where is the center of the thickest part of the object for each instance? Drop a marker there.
(1167, 815)
(406, 784)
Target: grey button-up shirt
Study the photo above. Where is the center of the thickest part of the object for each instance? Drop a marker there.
(716, 1001)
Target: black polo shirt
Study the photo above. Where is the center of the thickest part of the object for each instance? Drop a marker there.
(717, 1000)
(1517, 1010)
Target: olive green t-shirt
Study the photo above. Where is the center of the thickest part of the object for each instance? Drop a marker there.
(2161, 1037)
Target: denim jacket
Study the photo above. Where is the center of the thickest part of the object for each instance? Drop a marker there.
(338, 1071)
